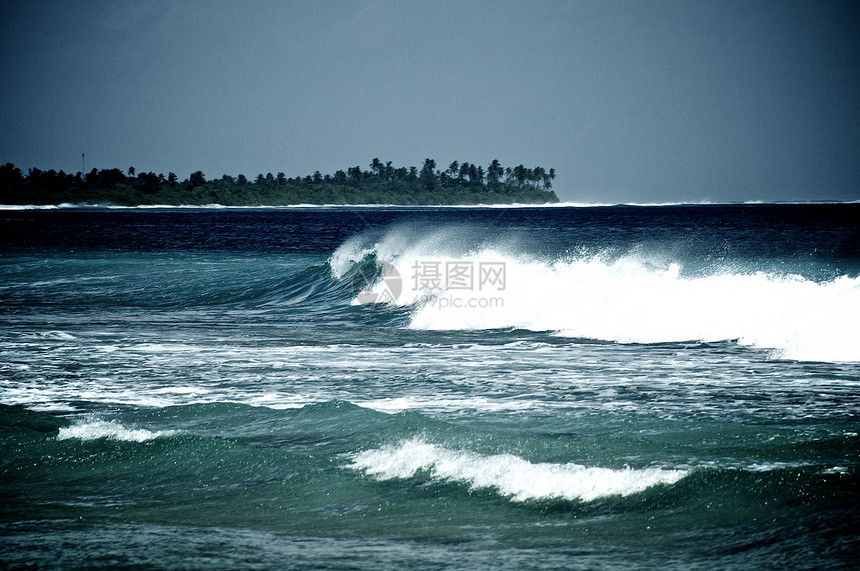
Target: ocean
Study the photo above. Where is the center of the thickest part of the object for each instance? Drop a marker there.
(649, 387)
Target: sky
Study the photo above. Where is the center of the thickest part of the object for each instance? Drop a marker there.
(630, 101)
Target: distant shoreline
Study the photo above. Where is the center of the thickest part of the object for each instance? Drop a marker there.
(460, 184)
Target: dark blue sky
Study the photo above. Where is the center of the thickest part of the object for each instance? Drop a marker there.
(650, 101)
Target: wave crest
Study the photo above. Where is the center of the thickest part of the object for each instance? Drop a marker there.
(509, 475)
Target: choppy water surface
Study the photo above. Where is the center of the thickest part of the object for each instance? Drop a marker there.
(524, 388)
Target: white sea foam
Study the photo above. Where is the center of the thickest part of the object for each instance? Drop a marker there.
(773, 466)
(95, 429)
(627, 300)
(182, 391)
(52, 335)
(509, 475)
(28, 207)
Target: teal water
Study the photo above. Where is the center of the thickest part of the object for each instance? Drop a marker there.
(665, 387)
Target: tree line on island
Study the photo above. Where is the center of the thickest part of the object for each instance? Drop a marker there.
(460, 183)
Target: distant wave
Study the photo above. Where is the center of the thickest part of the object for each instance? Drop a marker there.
(73, 206)
(509, 475)
(629, 299)
(29, 206)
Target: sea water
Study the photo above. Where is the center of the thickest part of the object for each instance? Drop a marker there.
(431, 388)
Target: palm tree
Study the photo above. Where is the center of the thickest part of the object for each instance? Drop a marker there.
(376, 166)
(427, 176)
(494, 171)
(453, 170)
(538, 176)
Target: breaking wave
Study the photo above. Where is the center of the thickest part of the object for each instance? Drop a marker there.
(631, 298)
(508, 475)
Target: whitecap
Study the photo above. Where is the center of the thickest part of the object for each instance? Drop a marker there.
(509, 475)
(95, 429)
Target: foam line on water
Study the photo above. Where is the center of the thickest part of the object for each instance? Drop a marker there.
(509, 475)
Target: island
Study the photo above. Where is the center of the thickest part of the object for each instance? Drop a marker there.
(460, 184)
